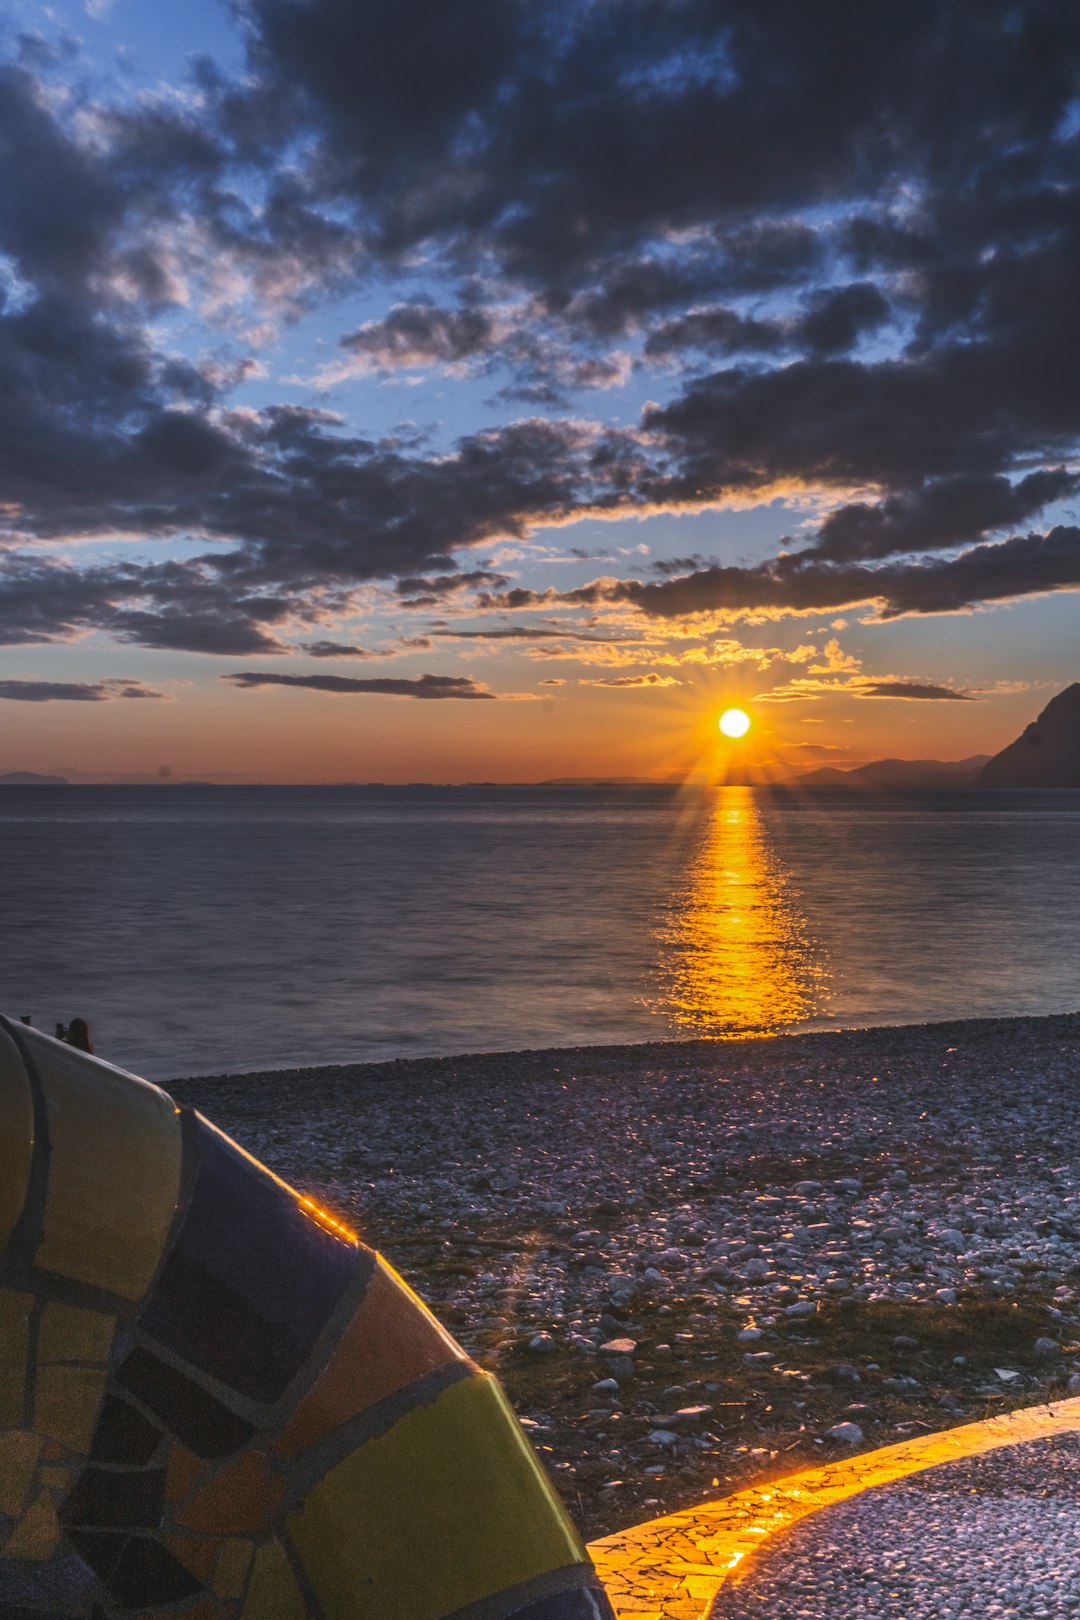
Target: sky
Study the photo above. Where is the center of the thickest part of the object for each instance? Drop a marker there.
(393, 390)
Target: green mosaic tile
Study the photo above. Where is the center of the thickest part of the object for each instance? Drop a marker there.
(456, 1477)
(272, 1591)
(19, 1452)
(69, 1333)
(66, 1404)
(16, 1135)
(114, 1170)
(37, 1535)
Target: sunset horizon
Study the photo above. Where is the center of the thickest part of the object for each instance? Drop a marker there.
(766, 754)
(317, 477)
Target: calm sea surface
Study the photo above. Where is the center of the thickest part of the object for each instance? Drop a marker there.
(206, 929)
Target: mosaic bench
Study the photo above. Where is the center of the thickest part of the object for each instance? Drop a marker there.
(217, 1403)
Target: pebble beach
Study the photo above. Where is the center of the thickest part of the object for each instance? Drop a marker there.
(699, 1264)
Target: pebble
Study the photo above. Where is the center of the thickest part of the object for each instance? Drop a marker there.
(849, 1433)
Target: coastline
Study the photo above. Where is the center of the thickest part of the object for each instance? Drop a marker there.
(794, 1233)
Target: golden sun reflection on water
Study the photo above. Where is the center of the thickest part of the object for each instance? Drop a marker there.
(737, 955)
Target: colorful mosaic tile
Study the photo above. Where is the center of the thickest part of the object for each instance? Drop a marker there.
(114, 1169)
(69, 1333)
(243, 1496)
(15, 1308)
(19, 1453)
(216, 1403)
(16, 1136)
(66, 1404)
(391, 1342)
(273, 1593)
(250, 1280)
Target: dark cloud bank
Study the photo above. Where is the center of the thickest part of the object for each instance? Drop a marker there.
(846, 238)
(27, 691)
(424, 686)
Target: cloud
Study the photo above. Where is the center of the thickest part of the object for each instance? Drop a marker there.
(805, 687)
(863, 281)
(105, 691)
(513, 129)
(999, 571)
(942, 514)
(522, 632)
(423, 686)
(339, 649)
(652, 679)
(416, 335)
(921, 691)
(829, 321)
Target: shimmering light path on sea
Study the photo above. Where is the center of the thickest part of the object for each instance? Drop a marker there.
(738, 955)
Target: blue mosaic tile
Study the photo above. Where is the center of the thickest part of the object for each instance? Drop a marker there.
(105, 1496)
(250, 1280)
(189, 1413)
(139, 1572)
(68, 1579)
(124, 1435)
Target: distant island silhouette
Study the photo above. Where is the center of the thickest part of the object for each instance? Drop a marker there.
(1047, 752)
(31, 779)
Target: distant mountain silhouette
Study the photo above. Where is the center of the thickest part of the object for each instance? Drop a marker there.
(898, 773)
(600, 781)
(32, 779)
(1046, 754)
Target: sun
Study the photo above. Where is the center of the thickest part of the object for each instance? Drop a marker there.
(734, 723)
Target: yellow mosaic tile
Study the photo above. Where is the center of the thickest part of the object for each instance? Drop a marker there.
(233, 1563)
(16, 1135)
(37, 1535)
(66, 1404)
(273, 1593)
(69, 1333)
(460, 1475)
(114, 1170)
(15, 1311)
(19, 1453)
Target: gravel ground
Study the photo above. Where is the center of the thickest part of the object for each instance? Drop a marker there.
(997, 1535)
(691, 1261)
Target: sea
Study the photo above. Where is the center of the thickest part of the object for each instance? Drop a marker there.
(207, 930)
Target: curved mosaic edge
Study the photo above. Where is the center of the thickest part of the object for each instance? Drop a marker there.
(217, 1403)
(672, 1568)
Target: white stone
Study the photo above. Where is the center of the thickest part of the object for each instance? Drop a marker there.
(848, 1433)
